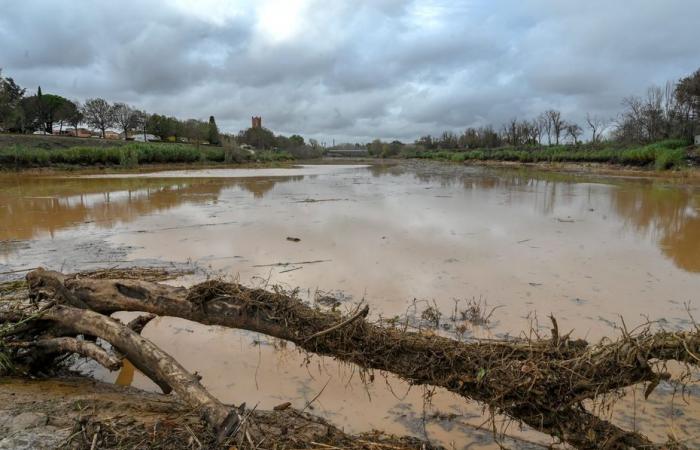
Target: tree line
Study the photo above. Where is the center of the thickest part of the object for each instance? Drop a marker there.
(669, 112)
(22, 113)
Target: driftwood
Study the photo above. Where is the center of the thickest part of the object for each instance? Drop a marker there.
(542, 382)
(53, 346)
(145, 356)
(160, 367)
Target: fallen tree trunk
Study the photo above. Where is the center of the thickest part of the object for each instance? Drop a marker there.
(87, 349)
(541, 383)
(144, 355)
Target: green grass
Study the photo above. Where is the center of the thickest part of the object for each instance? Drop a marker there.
(128, 155)
(662, 155)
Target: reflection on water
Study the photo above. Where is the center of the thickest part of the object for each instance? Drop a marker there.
(33, 206)
(30, 208)
(587, 249)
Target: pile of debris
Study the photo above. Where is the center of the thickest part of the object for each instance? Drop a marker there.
(541, 382)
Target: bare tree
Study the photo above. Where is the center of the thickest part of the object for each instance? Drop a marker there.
(654, 113)
(546, 124)
(98, 114)
(511, 132)
(573, 130)
(76, 117)
(125, 117)
(598, 125)
(142, 118)
(556, 124)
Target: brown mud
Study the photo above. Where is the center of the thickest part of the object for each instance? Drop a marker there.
(73, 412)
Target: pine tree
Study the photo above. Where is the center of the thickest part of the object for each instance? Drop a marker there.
(41, 111)
(213, 135)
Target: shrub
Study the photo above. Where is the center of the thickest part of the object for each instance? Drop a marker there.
(661, 155)
(128, 157)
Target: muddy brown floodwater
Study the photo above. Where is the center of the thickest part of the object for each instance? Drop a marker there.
(586, 249)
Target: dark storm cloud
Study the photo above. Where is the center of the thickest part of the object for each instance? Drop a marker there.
(352, 70)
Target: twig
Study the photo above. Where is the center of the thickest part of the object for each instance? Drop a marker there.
(315, 397)
(94, 439)
(361, 313)
(293, 263)
(290, 270)
(193, 436)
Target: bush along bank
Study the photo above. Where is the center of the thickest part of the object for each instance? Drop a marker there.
(131, 155)
(664, 155)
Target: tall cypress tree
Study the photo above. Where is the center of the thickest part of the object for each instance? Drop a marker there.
(213, 135)
(41, 111)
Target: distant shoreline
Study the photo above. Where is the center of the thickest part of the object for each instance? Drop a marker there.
(689, 173)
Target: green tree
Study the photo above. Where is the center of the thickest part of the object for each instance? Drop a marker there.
(40, 111)
(195, 130)
(161, 126)
(296, 140)
(99, 114)
(69, 113)
(75, 117)
(376, 148)
(687, 96)
(125, 117)
(53, 108)
(11, 95)
(260, 138)
(213, 132)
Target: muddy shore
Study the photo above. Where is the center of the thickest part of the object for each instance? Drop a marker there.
(685, 175)
(71, 412)
(690, 174)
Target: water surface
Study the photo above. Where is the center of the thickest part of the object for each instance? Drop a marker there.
(586, 249)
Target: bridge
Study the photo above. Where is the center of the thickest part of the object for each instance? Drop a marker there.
(347, 152)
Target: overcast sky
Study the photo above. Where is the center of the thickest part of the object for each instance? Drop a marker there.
(352, 70)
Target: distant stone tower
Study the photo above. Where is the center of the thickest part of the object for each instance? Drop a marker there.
(257, 122)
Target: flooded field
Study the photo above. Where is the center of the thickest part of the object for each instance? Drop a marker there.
(402, 237)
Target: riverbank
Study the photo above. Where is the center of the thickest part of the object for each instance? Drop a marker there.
(688, 174)
(130, 155)
(660, 156)
(78, 412)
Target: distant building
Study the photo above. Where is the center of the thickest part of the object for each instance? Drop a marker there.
(140, 137)
(112, 135)
(347, 152)
(697, 139)
(248, 148)
(257, 121)
(81, 132)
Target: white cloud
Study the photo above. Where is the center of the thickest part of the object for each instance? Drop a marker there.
(352, 69)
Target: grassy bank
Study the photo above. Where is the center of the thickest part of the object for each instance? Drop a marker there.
(129, 155)
(670, 154)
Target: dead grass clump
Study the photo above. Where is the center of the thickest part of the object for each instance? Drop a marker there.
(289, 429)
(153, 274)
(476, 312)
(432, 315)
